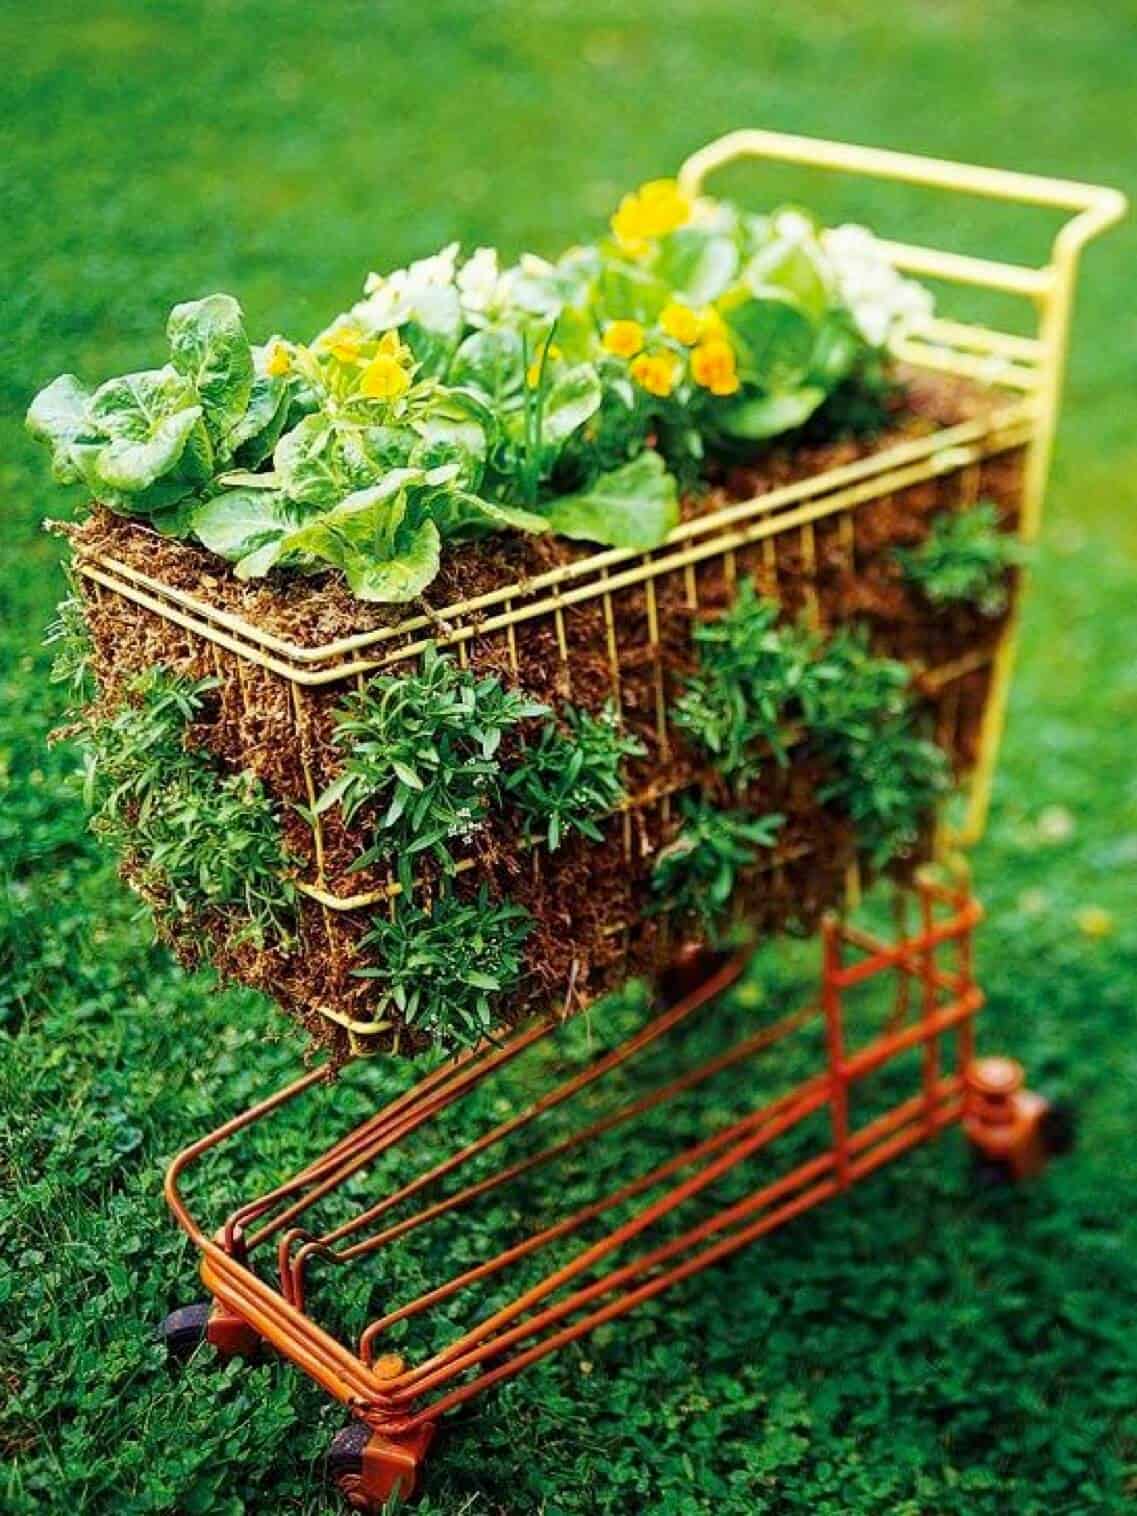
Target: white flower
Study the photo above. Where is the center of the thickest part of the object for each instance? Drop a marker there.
(480, 283)
(391, 297)
(882, 303)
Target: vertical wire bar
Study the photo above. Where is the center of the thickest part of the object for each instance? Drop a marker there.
(511, 641)
(617, 696)
(965, 966)
(835, 1047)
(931, 1056)
(809, 575)
(562, 642)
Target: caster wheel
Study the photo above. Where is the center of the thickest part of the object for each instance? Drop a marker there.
(373, 1472)
(692, 965)
(1059, 1129)
(345, 1465)
(183, 1330)
(991, 1173)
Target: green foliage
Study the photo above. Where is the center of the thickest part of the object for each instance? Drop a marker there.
(760, 680)
(695, 874)
(448, 970)
(754, 677)
(70, 640)
(964, 558)
(440, 407)
(196, 840)
(571, 776)
(884, 775)
(421, 757)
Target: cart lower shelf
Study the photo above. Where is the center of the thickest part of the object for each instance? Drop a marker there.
(843, 1096)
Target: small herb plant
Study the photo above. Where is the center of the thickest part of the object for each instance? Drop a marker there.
(447, 970)
(964, 560)
(421, 757)
(695, 874)
(195, 839)
(571, 776)
(884, 775)
(754, 674)
(760, 679)
(70, 638)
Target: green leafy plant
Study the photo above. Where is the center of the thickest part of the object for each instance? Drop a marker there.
(421, 757)
(194, 840)
(755, 676)
(884, 775)
(760, 680)
(458, 399)
(965, 558)
(695, 874)
(70, 640)
(571, 775)
(446, 970)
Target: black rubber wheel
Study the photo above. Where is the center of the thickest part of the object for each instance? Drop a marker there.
(183, 1330)
(692, 966)
(1059, 1127)
(345, 1462)
(990, 1173)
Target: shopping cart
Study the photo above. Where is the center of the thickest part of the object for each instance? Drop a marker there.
(856, 1093)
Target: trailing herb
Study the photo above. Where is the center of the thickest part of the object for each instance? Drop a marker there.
(421, 758)
(571, 775)
(194, 840)
(447, 971)
(759, 680)
(884, 775)
(755, 676)
(695, 874)
(964, 559)
(70, 638)
(458, 398)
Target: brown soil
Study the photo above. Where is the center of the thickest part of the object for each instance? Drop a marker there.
(590, 903)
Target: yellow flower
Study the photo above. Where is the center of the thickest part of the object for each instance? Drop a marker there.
(390, 346)
(654, 372)
(653, 210)
(712, 366)
(711, 324)
(384, 378)
(680, 322)
(278, 360)
(342, 343)
(623, 338)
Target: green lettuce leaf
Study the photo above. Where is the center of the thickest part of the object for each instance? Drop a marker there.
(774, 336)
(58, 416)
(573, 397)
(634, 506)
(764, 416)
(209, 346)
(697, 265)
(150, 419)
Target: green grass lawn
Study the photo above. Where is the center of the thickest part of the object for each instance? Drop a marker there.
(917, 1348)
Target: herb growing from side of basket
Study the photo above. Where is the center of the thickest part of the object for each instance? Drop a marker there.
(965, 559)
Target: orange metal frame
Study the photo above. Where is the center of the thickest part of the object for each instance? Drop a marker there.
(400, 1403)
